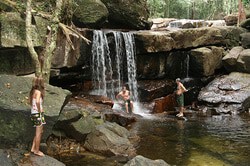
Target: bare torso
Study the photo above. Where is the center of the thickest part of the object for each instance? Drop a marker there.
(124, 94)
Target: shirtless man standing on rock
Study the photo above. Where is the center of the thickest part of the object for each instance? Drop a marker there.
(125, 96)
(180, 97)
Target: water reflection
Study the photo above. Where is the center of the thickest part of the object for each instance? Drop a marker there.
(215, 140)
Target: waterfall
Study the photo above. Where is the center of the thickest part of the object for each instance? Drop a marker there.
(99, 49)
(102, 72)
(118, 57)
(131, 65)
(107, 70)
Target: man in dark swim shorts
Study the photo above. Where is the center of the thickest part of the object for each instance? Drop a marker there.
(125, 95)
(180, 97)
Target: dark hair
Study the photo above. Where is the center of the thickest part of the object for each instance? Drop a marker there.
(37, 84)
(126, 86)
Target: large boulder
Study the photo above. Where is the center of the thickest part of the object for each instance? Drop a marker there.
(231, 19)
(128, 14)
(76, 121)
(12, 157)
(246, 24)
(16, 127)
(143, 161)
(85, 13)
(167, 103)
(245, 40)
(243, 62)
(229, 61)
(204, 61)
(161, 41)
(16, 61)
(238, 59)
(150, 90)
(228, 93)
(13, 30)
(110, 139)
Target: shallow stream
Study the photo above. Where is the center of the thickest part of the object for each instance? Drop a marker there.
(202, 140)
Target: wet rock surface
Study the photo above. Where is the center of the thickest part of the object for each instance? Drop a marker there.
(143, 161)
(228, 92)
(110, 139)
(13, 157)
(151, 89)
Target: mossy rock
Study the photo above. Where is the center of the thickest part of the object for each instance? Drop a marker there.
(16, 128)
(246, 24)
(90, 13)
(128, 14)
(13, 31)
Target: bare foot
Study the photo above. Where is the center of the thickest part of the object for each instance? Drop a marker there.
(179, 115)
(39, 153)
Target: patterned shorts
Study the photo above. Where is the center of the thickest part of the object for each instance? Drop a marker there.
(37, 119)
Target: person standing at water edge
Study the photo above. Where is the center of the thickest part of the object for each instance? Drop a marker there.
(37, 113)
(180, 97)
(125, 95)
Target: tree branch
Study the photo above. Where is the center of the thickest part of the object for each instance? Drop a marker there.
(70, 31)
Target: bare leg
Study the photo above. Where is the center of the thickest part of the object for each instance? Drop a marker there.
(126, 106)
(33, 144)
(39, 131)
(132, 106)
(181, 111)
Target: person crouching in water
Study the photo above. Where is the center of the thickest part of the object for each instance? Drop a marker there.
(125, 96)
(37, 113)
(180, 97)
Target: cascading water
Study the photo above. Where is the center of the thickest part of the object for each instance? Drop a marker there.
(99, 49)
(107, 77)
(118, 58)
(131, 65)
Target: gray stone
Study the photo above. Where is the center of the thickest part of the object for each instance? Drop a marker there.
(110, 139)
(245, 40)
(143, 161)
(204, 61)
(16, 61)
(77, 122)
(243, 62)
(227, 91)
(12, 157)
(85, 13)
(128, 14)
(16, 127)
(245, 24)
(162, 41)
(230, 60)
(13, 31)
(231, 19)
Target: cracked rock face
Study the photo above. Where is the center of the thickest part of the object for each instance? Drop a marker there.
(228, 91)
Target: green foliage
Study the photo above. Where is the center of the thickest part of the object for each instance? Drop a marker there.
(194, 9)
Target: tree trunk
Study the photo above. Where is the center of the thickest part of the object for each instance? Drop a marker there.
(241, 14)
(43, 64)
(29, 40)
(51, 40)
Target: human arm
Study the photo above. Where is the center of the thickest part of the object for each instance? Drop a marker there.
(183, 88)
(38, 96)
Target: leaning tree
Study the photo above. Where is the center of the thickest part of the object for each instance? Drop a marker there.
(42, 59)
